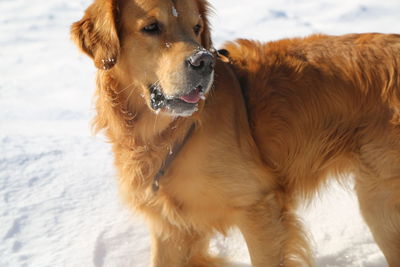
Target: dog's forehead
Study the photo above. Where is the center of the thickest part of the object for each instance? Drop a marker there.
(165, 6)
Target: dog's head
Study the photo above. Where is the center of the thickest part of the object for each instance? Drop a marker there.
(162, 47)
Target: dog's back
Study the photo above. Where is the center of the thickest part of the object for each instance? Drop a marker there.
(330, 105)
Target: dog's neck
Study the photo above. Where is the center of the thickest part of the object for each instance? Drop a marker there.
(141, 139)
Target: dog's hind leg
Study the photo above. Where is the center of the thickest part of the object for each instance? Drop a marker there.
(380, 207)
(378, 190)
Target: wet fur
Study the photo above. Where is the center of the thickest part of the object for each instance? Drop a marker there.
(282, 117)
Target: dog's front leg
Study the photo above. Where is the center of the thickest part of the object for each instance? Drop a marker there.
(263, 232)
(181, 248)
(274, 235)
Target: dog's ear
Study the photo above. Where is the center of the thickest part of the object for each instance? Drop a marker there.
(205, 9)
(96, 34)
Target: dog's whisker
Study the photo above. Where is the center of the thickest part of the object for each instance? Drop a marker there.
(128, 97)
(127, 87)
(155, 122)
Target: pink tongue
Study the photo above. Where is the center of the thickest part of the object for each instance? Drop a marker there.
(192, 98)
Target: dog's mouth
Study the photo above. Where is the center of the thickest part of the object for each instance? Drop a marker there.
(184, 104)
(179, 105)
(194, 96)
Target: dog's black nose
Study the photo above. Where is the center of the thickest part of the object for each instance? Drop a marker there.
(202, 62)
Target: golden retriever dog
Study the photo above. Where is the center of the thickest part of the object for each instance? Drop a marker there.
(204, 141)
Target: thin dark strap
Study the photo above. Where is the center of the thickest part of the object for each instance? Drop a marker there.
(171, 156)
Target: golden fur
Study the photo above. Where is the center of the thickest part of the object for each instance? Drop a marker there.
(280, 119)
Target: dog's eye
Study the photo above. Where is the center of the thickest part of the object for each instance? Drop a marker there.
(153, 28)
(197, 29)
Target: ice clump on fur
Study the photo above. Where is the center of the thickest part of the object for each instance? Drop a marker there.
(174, 12)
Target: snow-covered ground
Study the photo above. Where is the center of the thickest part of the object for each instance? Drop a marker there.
(58, 200)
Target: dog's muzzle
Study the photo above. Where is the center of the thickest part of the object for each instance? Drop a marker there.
(199, 79)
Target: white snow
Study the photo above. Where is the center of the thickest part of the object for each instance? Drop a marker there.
(59, 204)
(174, 12)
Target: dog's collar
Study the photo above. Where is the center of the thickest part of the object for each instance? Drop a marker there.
(170, 158)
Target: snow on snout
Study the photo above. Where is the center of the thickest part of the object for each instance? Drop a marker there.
(202, 51)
